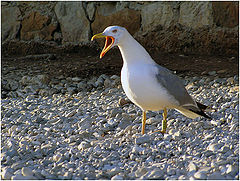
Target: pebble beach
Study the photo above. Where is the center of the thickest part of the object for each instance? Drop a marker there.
(74, 128)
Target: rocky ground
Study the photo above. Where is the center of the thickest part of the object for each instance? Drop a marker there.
(70, 126)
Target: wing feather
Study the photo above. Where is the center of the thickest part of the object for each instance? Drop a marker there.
(176, 88)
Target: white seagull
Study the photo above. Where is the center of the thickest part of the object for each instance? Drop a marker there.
(147, 84)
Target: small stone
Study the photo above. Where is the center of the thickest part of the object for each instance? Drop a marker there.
(21, 177)
(122, 101)
(200, 175)
(25, 80)
(215, 123)
(12, 85)
(82, 86)
(117, 177)
(107, 83)
(124, 123)
(114, 77)
(128, 128)
(167, 137)
(230, 80)
(232, 170)
(234, 89)
(140, 172)
(27, 171)
(192, 166)
(142, 139)
(152, 121)
(222, 71)
(149, 160)
(67, 175)
(216, 176)
(114, 112)
(71, 114)
(43, 92)
(76, 79)
(57, 157)
(205, 170)
(137, 149)
(99, 82)
(212, 73)
(155, 174)
(233, 128)
(18, 177)
(83, 145)
(214, 147)
(85, 123)
(12, 152)
(177, 135)
(71, 90)
(7, 173)
(113, 171)
(40, 79)
(225, 149)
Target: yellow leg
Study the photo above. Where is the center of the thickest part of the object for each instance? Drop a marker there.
(143, 122)
(164, 121)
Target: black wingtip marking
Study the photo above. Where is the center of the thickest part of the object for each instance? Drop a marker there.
(201, 110)
(201, 113)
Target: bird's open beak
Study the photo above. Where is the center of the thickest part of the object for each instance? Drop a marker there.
(108, 43)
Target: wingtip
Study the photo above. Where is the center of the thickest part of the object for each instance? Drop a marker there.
(203, 108)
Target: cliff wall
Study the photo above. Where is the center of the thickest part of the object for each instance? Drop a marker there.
(172, 27)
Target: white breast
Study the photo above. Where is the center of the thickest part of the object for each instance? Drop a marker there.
(142, 88)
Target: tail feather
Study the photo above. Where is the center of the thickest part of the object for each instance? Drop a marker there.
(200, 112)
(201, 106)
(193, 111)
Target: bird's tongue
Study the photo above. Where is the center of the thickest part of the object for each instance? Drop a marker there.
(108, 43)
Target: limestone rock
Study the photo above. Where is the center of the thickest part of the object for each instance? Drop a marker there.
(90, 10)
(10, 22)
(107, 15)
(196, 14)
(183, 27)
(74, 24)
(37, 26)
(225, 14)
(163, 15)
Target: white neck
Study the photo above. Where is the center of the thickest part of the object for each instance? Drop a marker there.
(133, 52)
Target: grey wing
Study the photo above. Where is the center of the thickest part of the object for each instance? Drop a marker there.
(175, 87)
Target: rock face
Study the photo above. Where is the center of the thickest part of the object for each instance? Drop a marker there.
(74, 24)
(183, 27)
(10, 23)
(37, 27)
(226, 14)
(196, 14)
(105, 16)
(163, 15)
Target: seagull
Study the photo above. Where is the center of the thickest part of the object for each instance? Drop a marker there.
(148, 85)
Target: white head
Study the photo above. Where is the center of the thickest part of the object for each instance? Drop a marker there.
(113, 35)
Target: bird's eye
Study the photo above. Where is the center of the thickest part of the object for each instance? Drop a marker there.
(114, 31)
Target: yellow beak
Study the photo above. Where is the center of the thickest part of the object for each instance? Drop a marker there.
(108, 43)
(99, 35)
